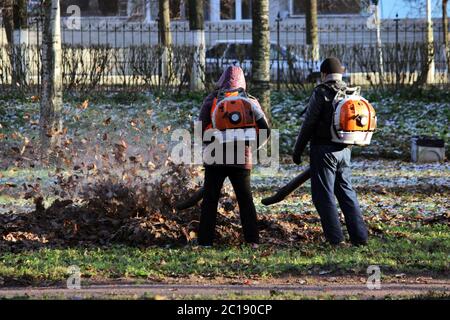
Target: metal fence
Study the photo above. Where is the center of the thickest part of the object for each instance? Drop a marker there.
(115, 54)
(120, 33)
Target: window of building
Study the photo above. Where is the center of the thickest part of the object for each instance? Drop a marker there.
(246, 9)
(206, 9)
(177, 9)
(298, 7)
(227, 9)
(108, 8)
(236, 9)
(89, 8)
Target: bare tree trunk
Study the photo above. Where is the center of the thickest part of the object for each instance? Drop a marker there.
(312, 34)
(20, 15)
(429, 64)
(51, 100)
(261, 54)
(15, 22)
(20, 40)
(196, 25)
(379, 44)
(165, 37)
(446, 35)
(8, 21)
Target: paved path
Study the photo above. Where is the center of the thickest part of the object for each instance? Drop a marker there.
(180, 290)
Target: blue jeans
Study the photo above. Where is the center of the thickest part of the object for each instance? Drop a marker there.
(330, 177)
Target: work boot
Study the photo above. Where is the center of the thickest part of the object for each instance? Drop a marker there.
(359, 243)
(195, 243)
(341, 244)
(254, 245)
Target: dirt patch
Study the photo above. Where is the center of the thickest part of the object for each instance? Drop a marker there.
(274, 290)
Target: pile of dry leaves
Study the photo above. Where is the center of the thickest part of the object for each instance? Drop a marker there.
(118, 207)
(140, 210)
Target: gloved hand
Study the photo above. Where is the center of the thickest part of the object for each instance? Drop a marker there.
(296, 158)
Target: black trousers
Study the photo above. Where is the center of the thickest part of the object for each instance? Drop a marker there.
(214, 179)
(330, 177)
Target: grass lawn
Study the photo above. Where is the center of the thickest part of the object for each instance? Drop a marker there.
(424, 250)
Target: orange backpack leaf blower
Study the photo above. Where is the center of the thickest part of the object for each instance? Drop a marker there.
(354, 120)
(232, 114)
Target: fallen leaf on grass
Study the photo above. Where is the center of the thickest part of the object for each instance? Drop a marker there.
(322, 272)
(84, 105)
(107, 121)
(10, 185)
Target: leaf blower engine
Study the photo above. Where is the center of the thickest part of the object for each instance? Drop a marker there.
(233, 115)
(354, 119)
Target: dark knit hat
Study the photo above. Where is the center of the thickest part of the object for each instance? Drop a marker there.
(331, 65)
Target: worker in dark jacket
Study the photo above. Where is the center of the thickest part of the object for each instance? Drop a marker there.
(237, 171)
(329, 161)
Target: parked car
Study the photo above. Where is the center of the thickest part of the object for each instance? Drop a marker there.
(283, 63)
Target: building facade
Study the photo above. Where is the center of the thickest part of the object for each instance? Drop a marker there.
(215, 10)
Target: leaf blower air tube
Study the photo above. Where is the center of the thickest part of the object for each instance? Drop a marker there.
(280, 195)
(287, 189)
(192, 201)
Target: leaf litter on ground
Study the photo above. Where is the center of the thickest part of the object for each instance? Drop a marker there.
(117, 184)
